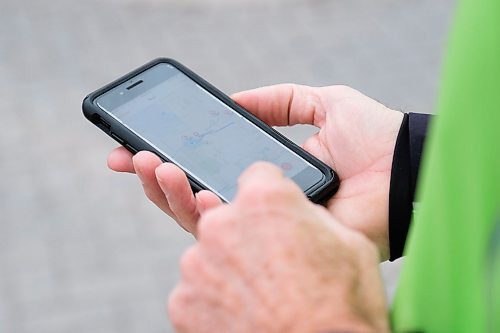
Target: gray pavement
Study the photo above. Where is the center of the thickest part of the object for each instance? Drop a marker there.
(81, 249)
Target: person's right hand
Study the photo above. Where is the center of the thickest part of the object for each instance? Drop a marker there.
(275, 262)
(356, 138)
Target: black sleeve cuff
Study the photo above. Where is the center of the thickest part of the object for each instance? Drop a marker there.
(404, 175)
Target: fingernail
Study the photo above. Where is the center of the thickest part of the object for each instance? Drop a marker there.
(200, 206)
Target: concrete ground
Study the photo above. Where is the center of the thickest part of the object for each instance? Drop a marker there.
(81, 249)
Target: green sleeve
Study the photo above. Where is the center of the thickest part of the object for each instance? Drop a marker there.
(450, 279)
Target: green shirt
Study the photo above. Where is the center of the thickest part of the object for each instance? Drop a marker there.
(451, 277)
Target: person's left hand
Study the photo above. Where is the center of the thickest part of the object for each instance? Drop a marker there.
(272, 261)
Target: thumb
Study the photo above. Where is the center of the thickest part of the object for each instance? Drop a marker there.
(282, 104)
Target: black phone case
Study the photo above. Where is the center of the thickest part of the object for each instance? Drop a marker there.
(318, 194)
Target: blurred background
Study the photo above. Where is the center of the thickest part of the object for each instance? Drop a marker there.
(81, 249)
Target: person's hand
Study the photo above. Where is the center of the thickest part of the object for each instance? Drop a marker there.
(272, 261)
(356, 137)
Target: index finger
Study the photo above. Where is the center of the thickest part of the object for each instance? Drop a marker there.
(260, 172)
(283, 104)
(264, 182)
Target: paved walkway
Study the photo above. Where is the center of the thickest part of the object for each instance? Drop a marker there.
(81, 250)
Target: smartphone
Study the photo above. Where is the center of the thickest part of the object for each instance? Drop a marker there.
(165, 108)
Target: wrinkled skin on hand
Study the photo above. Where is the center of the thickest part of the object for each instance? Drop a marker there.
(356, 137)
(272, 261)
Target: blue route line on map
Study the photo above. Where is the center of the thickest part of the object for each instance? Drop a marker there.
(197, 138)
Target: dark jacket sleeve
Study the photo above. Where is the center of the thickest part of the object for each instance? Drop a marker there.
(404, 175)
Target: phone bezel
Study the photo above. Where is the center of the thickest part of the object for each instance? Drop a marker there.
(317, 193)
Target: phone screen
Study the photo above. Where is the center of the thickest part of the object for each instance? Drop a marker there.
(211, 141)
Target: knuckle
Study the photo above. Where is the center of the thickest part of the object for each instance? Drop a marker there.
(189, 263)
(187, 211)
(313, 100)
(177, 308)
(150, 193)
(214, 223)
